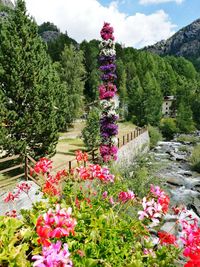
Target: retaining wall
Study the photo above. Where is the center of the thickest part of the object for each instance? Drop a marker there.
(129, 152)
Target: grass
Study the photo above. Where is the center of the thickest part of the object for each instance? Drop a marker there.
(195, 158)
(188, 138)
(70, 141)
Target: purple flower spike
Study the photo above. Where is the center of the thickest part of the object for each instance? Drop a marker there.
(107, 92)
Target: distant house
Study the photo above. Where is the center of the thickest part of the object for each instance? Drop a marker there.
(168, 106)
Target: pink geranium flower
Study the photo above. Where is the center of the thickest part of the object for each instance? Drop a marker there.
(53, 256)
(125, 196)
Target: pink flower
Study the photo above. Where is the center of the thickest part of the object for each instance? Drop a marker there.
(25, 187)
(156, 191)
(125, 196)
(105, 194)
(190, 237)
(80, 156)
(151, 210)
(95, 171)
(43, 166)
(111, 200)
(107, 32)
(55, 224)
(53, 256)
(107, 91)
(84, 173)
(12, 213)
(11, 197)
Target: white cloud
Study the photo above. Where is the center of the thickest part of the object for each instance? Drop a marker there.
(84, 19)
(146, 2)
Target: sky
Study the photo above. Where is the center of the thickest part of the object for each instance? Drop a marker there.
(137, 23)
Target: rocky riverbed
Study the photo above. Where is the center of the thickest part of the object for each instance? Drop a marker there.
(183, 184)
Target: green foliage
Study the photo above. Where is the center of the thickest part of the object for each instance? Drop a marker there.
(105, 235)
(14, 242)
(188, 139)
(154, 135)
(91, 53)
(91, 132)
(47, 26)
(72, 75)
(56, 47)
(28, 84)
(184, 119)
(195, 158)
(168, 128)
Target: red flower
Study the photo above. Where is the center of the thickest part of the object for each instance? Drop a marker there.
(80, 156)
(164, 202)
(11, 197)
(167, 238)
(55, 224)
(194, 260)
(43, 166)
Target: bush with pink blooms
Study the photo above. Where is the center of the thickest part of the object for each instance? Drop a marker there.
(95, 220)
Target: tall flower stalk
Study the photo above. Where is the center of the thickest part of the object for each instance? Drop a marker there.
(107, 95)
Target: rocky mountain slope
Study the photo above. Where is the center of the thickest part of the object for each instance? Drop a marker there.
(7, 3)
(186, 43)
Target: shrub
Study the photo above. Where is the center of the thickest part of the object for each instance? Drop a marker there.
(155, 136)
(183, 138)
(91, 132)
(168, 128)
(195, 158)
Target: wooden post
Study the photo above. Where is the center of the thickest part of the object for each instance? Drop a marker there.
(26, 168)
(123, 140)
(92, 155)
(127, 138)
(70, 165)
(131, 136)
(118, 142)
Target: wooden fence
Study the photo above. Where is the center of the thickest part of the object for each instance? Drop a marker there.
(23, 165)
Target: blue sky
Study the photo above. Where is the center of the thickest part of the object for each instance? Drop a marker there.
(181, 14)
(136, 23)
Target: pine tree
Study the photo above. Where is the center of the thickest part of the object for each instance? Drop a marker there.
(72, 74)
(91, 132)
(152, 100)
(135, 101)
(28, 83)
(184, 118)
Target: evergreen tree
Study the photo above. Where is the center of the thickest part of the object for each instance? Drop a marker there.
(91, 53)
(135, 101)
(152, 100)
(91, 132)
(28, 84)
(184, 119)
(72, 74)
(121, 85)
(47, 26)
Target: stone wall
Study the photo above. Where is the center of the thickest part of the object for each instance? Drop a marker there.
(128, 153)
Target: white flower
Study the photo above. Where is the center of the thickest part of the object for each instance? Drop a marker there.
(107, 44)
(114, 140)
(108, 52)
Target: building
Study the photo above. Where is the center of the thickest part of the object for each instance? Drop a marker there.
(168, 106)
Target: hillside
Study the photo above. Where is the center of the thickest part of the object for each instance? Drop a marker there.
(186, 43)
(6, 3)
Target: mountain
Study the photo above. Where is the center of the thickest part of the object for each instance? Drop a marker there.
(6, 3)
(186, 43)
